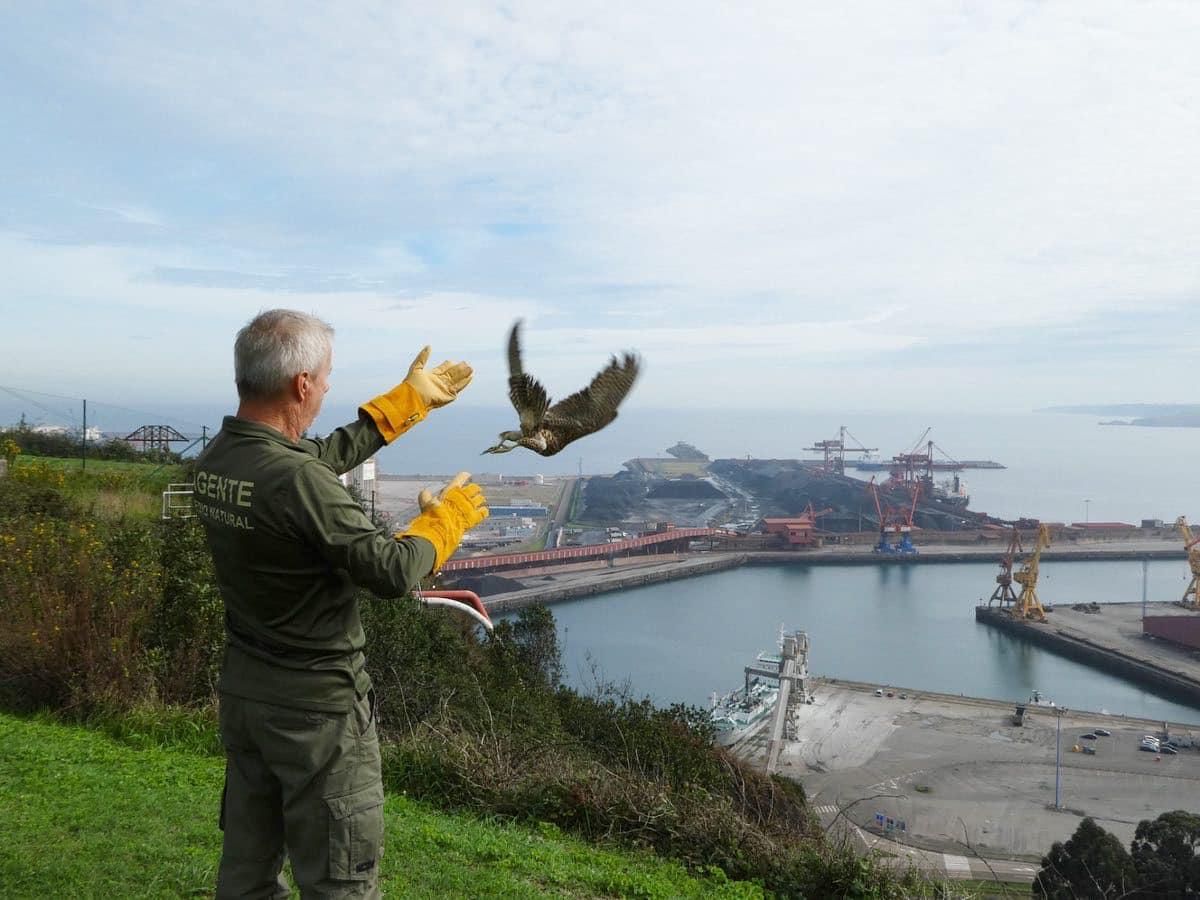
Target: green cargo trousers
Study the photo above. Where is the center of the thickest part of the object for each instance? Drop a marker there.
(305, 783)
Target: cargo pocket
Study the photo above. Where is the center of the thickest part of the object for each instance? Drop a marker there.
(355, 834)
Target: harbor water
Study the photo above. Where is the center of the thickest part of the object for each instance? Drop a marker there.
(911, 626)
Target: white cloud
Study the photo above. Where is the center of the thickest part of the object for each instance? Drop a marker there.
(789, 184)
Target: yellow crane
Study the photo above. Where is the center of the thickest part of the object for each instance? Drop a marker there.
(1028, 605)
(1191, 597)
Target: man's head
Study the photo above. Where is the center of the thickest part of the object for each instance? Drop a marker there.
(284, 356)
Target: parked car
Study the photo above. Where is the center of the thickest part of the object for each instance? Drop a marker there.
(1103, 732)
(1089, 750)
(1087, 737)
(1167, 748)
(1148, 747)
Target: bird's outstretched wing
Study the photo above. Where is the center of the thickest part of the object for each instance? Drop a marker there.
(596, 405)
(528, 397)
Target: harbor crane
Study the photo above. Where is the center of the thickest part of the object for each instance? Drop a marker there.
(1191, 596)
(835, 451)
(898, 520)
(1028, 606)
(1004, 596)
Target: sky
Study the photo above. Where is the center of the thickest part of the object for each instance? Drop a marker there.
(860, 205)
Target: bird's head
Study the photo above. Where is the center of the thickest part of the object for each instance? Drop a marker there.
(504, 446)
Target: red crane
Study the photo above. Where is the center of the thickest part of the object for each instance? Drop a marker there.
(1004, 595)
(898, 520)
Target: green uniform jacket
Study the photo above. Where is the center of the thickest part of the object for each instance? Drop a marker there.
(290, 546)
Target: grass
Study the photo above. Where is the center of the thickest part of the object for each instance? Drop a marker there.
(986, 890)
(110, 488)
(96, 466)
(88, 816)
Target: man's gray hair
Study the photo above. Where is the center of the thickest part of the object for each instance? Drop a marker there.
(275, 347)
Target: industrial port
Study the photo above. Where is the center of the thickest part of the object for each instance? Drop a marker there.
(970, 787)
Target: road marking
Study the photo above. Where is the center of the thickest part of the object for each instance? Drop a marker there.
(956, 865)
(827, 810)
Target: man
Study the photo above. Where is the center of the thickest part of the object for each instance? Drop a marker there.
(290, 547)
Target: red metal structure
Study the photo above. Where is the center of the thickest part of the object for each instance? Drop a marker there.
(895, 519)
(1004, 595)
(592, 551)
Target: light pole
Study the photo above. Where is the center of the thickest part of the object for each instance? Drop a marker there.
(1145, 580)
(1087, 511)
(1058, 714)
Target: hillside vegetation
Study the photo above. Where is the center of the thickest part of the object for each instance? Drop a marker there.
(125, 822)
(114, 619)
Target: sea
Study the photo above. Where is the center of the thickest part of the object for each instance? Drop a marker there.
(908, 626)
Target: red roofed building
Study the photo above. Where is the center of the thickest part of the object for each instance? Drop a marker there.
(796, 532)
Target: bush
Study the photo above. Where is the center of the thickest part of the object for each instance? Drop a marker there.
(100, 613)
(185, 635)
(74, 598)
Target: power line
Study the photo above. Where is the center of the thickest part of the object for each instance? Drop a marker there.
(67, 413)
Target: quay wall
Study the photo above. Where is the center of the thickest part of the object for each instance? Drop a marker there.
(603, 579)
(934, 555)
(608, 580)
(1174, 684)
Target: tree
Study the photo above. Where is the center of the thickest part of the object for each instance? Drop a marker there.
(536, 636)
(1164, 854)
(1092, 863)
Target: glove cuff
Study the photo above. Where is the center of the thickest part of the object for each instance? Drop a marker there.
(435, 528)
(396, 411)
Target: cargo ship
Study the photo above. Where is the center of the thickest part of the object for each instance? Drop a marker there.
(736, 713)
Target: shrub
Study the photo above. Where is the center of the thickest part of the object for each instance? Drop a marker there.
(185, 634)
(73, 597)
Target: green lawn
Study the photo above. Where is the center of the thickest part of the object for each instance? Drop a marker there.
(87, 816)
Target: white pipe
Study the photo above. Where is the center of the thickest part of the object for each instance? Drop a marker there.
(460, 607)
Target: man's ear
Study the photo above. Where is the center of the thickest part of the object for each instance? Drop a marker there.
(301, 386)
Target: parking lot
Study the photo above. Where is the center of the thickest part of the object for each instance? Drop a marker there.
(963, 778)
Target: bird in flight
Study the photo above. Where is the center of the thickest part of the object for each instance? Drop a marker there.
(546, 429)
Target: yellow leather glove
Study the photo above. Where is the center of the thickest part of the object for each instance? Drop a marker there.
(444, 519)
(421, 390)
(396, 411)
(438, 386)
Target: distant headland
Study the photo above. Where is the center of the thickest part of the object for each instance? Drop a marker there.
(1147, 415)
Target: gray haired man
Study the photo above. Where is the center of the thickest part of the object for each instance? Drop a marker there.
(290, 547)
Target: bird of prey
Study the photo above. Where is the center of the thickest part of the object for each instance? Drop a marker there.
(546, 429)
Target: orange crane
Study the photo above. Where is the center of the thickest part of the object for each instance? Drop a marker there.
(1004, 596)
(1191, 597)
(1028, 605)
(898, 520)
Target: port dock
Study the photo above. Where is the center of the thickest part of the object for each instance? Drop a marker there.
(1111, 639)
(955, 780)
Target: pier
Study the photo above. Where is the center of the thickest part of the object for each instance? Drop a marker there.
(1111, 640)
